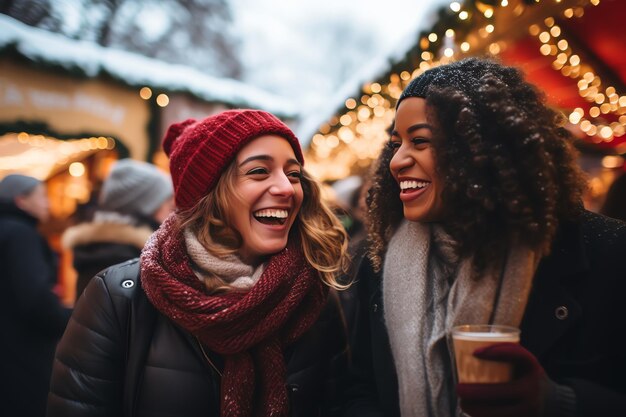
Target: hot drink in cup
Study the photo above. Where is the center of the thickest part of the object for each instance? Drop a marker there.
(467, 338)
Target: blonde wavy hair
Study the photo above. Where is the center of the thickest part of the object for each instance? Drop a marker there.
(324, 240)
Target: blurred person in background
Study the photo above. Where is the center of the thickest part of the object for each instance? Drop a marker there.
(230, 311)
(615, 202)
(475, 217)
(32, 318)
(350, 193)
(134, 200)
(346, 193)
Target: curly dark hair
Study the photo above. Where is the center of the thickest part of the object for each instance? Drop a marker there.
(508, 164)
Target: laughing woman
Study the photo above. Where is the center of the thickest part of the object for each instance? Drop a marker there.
(475, 217)
(228, 312)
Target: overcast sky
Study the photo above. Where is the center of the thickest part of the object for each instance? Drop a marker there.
(305, 50)
(302, 50)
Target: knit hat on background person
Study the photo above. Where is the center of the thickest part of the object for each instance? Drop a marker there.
(14, 185)
(135, 188)
(200, 151)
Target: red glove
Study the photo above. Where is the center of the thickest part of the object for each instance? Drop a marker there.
(524, 396)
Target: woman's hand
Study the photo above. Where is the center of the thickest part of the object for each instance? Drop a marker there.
(525, 396)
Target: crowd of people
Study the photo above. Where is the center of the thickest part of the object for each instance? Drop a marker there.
(232, 287)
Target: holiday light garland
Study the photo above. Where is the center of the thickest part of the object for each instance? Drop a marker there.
(349, 142)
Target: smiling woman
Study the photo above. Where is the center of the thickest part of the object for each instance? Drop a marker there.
(475, 217)
(238, 279)
(270, 195)
(411, 141)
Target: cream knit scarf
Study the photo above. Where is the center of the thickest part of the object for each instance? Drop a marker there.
(229, 268)
(427, 291)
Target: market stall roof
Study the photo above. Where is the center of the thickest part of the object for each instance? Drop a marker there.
(570, 49)
(92, 60)
(596, 39)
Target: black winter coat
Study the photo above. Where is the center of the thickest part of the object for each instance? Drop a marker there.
(121, 357)
(574, 324)
(32, 318)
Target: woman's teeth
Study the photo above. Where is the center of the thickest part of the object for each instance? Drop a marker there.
(279, 214)
(407, 185)
(271, 216)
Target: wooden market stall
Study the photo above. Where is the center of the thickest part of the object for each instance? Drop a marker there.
(69, 109)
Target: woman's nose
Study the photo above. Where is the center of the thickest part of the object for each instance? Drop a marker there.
(282, 186)
(400, 160)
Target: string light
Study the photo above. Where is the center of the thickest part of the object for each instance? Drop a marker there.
(355, 138)
(145, 93)
(43, 155)
(162, 100)
(590, 86)
(76, 169)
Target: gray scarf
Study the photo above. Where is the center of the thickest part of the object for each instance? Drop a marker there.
(427, 291)
(229, 268)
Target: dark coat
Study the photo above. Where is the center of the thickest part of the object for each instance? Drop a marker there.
(97, 246)
(574, 324)
(32, 318)
(163, 371)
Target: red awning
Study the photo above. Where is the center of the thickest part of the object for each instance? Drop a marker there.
(599, 38)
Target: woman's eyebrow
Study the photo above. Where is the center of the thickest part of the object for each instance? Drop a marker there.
(291, 161)
(413, 128)
(256, 158)
(419, 126)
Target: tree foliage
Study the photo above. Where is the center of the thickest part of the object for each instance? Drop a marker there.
(190, 32)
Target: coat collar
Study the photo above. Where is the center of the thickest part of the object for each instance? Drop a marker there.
(95, 232)
(568, 258)
(9, 209)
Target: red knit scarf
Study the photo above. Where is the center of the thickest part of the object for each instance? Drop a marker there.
(250, 330)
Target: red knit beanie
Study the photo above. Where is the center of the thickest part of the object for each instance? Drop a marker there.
(199, 151)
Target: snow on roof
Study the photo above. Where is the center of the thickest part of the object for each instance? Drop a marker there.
(374, 70)
(135, 70)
